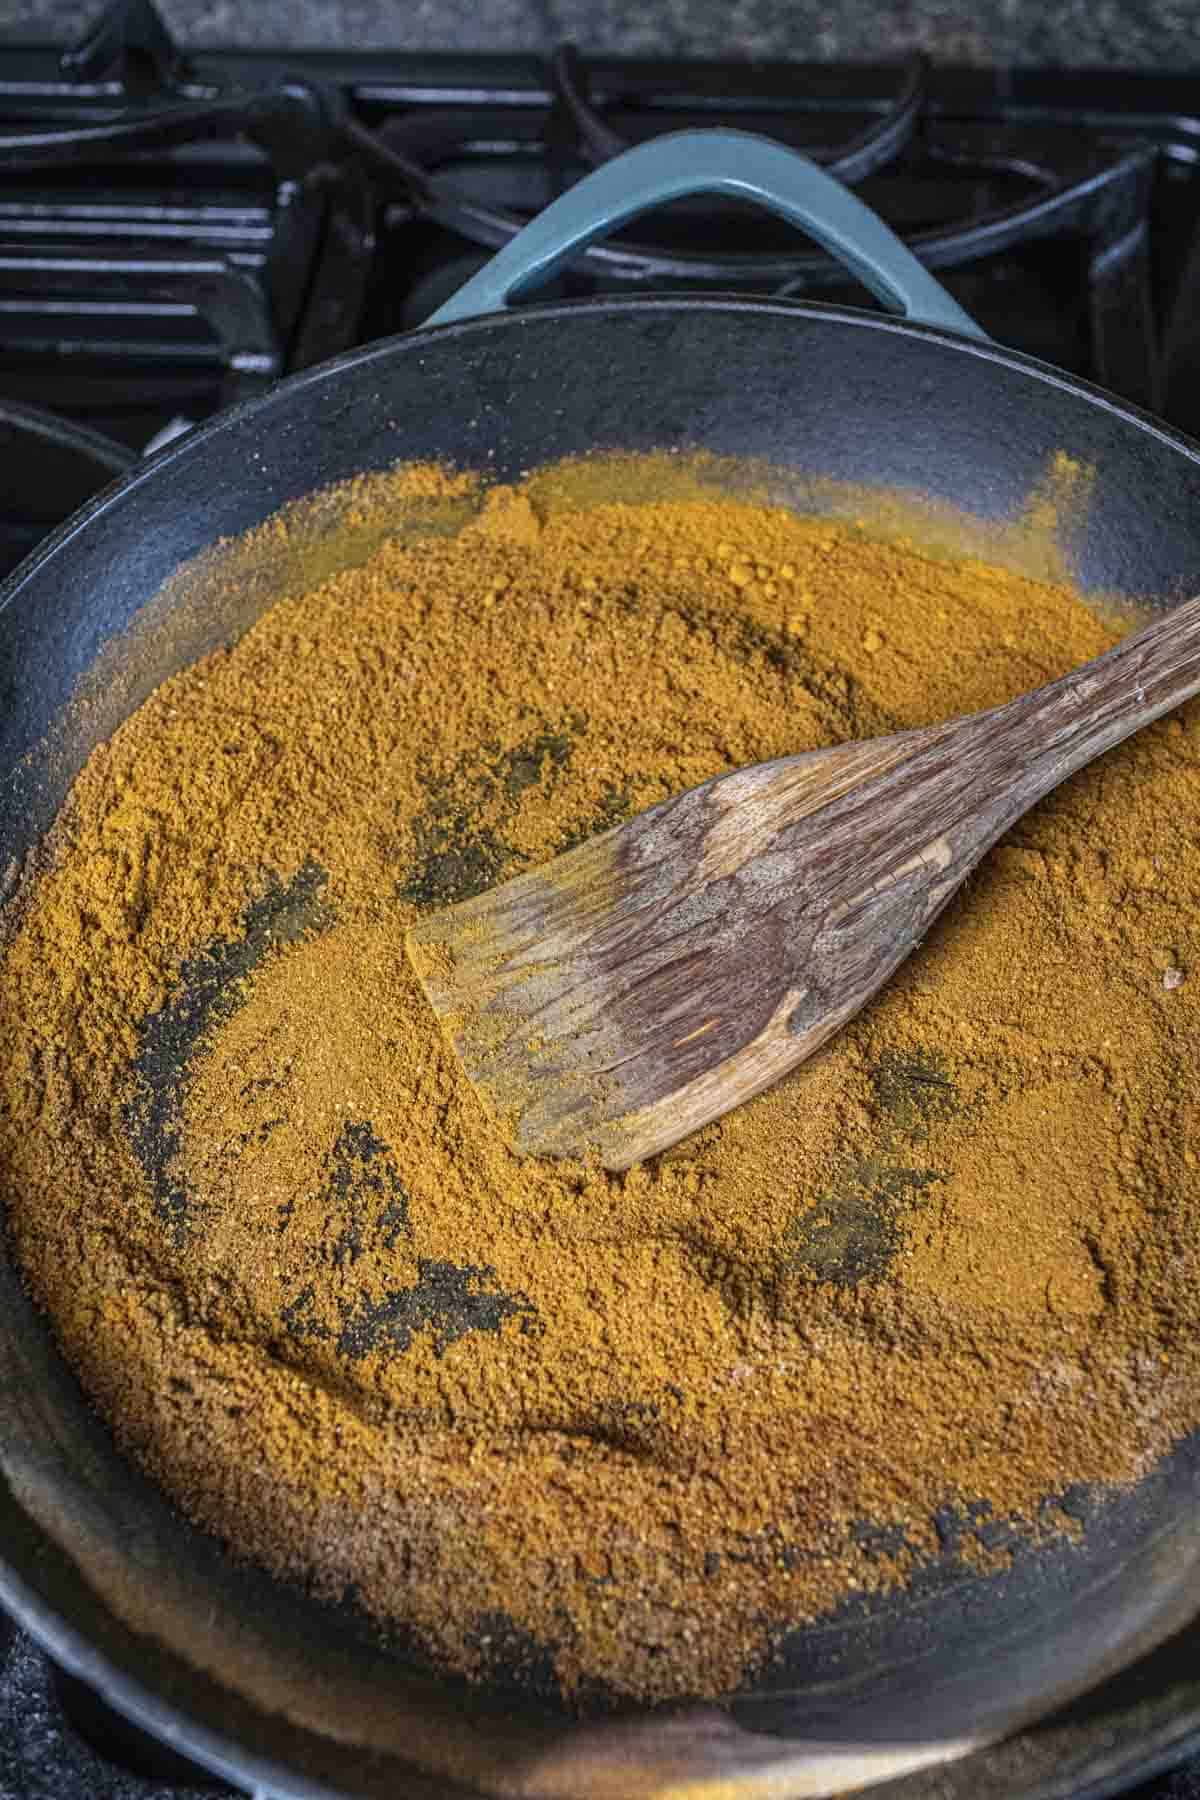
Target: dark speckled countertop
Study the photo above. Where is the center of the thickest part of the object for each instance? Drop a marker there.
(1121, 33)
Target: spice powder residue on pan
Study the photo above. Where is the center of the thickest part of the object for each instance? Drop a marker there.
(640, 1424)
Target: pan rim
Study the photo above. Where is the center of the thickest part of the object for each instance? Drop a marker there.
(383, 350)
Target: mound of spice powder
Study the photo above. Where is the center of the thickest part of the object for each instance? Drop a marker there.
(639, 1424)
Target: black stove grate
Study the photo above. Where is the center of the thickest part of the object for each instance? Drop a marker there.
(175, 233)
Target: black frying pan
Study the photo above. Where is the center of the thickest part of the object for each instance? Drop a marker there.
(1087, 1660)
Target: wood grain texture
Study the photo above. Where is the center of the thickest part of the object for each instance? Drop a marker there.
(623, 995)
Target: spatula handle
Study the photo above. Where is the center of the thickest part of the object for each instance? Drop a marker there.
(964, 783)
(1043, 737)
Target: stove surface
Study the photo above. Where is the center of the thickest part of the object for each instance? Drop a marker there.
(177, 230)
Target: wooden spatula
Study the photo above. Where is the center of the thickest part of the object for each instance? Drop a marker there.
(631, 990)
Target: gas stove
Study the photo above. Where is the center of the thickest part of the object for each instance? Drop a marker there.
(178, 231)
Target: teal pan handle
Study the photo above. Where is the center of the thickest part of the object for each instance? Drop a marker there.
(735, 163)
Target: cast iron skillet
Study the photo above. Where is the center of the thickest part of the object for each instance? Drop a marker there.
(253, 1679)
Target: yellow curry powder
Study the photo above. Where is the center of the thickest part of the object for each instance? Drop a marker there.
(646, 1422)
